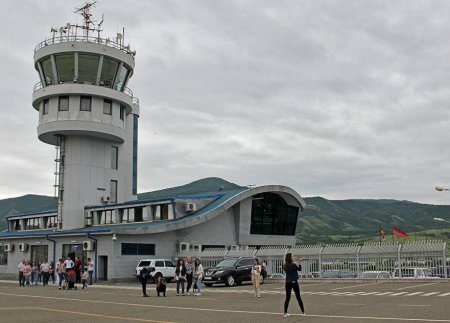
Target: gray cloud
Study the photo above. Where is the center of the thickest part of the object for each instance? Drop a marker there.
(341, 99)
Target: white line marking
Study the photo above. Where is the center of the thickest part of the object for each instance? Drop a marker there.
(385, 293)
(446, 294)
(350, 304)
(397, 319)
(432, 293)
(414, 286)
(416, 293)
(396, 294)
(415, 305)
(353, 286)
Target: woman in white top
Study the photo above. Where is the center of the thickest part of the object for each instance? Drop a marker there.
(256, 275)
(198, 275)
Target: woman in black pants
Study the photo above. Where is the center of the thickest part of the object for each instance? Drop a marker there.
(291, 268)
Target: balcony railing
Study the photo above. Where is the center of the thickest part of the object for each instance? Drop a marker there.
(126, 90)
(85, 39)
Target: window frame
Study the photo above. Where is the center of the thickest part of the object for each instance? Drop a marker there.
(59, 102)
(85, 98)
(105, 109)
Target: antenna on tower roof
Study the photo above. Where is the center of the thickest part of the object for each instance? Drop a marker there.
(85, 12)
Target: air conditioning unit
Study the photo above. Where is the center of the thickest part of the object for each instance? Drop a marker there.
(88, 245)
(106, 199)
(191, 207)
(184, 246)
(196, 247)
(23, 247)
(9, 247)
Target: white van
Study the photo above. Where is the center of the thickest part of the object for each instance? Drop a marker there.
(413, 272)
(163, 267)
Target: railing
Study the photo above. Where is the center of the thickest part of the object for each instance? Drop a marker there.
(39, 85)
(371, 260)
(85, 39)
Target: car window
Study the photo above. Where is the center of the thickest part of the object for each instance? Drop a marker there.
(159, 263)
(144, 263)
(169, 264)
(230, 262)
(245, 262)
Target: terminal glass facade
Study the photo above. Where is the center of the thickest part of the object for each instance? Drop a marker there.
(271, 215)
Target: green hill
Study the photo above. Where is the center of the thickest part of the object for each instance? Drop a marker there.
(25, 204)
(337, 221)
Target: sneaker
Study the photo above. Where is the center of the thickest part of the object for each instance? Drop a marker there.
(286, 314)
(178, 294)
(199, 294)
(259, 296)
(303, 314)
(183, 294)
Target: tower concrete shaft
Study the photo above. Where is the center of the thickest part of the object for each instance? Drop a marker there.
(84, 104)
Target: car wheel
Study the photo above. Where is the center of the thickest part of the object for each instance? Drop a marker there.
(208, 284)
(261, 279)
(230, 281)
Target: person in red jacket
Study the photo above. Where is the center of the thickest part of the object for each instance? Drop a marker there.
(77, 268)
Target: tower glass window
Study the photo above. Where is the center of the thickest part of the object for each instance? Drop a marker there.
(122, 112)
(122, 78)
(135, 154)
(87, 68)
(45, 107)
(63, 103)
(107, 107)
(47, 69)
(109, 70)
(113, 191)
(65, 65)
(272, 215)
(114, 157)
(85, 103)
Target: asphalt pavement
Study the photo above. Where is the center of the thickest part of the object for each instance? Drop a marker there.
(427, 301)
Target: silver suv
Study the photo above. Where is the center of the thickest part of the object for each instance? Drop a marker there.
(163, 267)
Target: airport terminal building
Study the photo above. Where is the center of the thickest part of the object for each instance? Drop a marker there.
(90, 115)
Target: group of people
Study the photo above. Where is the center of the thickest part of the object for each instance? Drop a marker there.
(32, 273)
(186, 272)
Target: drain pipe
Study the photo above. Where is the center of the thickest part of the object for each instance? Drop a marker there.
(54, 249)
(88, 235)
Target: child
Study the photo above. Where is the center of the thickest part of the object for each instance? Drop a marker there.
(161, 285)
(85, 277)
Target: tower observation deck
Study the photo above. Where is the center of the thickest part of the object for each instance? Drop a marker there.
(87, 110)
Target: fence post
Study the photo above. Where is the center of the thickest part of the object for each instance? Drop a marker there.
(320, 262)
(399, 260)
(444, 258)
(358, 268)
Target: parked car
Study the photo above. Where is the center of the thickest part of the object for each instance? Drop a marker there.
(232, 271)
(338, 273)
(375, 274)
(413, 272)
(163, 267)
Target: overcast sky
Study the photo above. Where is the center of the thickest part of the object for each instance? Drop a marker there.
(340, 99)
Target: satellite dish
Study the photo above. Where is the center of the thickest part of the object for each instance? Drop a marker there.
(68, 26)
(61, 30)
(119, 36)
(53, 30)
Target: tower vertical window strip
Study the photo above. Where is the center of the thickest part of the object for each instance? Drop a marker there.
(135, 153)
(113, 191)
(60, 173)
(114, 157)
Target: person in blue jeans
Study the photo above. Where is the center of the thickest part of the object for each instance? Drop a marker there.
(292, 268)
(198, 274)
(180, 276)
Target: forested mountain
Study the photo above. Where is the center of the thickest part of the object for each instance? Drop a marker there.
(336, 218)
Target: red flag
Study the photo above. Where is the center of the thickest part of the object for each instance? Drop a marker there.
(382, 233)
(399, 232)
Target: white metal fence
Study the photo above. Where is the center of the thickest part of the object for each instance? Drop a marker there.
(370, 260)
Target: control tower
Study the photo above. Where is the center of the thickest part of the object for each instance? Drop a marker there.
(89, 114)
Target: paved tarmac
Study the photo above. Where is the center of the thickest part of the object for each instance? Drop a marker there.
(324, 302)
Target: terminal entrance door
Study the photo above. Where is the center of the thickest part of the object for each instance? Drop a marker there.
(39, 253)
(102, 268)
